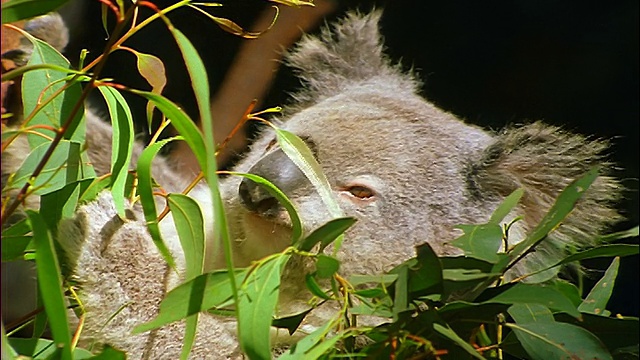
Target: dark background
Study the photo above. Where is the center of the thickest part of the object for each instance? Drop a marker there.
(569, 63)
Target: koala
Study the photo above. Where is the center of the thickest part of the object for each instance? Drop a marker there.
(405, 169)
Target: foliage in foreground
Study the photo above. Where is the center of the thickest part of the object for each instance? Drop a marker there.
(449, 307)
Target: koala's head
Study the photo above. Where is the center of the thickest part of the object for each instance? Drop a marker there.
(405, 169)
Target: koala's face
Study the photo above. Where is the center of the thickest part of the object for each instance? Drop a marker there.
(393, 162)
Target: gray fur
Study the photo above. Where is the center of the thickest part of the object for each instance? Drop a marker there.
(429, 171)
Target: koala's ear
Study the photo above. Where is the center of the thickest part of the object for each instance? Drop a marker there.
(544, 160)
(345, 54)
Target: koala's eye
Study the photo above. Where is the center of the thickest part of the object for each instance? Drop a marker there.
(360, 192)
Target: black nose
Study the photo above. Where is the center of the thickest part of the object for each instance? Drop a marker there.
(258, 199)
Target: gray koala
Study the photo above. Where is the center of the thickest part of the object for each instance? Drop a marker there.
(406, 170)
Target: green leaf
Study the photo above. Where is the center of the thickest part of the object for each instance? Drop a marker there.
(559, 210)
(535, 294)
(544, 341)
(326, 233)
(181, 121)
(400, 297)
(145, 190)
(567, 289)
(15, 240)
(61, 204)
(480, 241)
(633, 232)
(596, 301)
(326, 266)
(527, 313)
(50, 283)
(425, 274)
(15, 10)
(152, 69)
(199, 294)
(615, 333)
(300, 154)
(258, 297)
(189, 223)
(66, 165)
(506, 206)
(314, 287)
(296, 224)
(41, 349)
(121, 144)
(301, 349)
(451, 335)
(40, 85)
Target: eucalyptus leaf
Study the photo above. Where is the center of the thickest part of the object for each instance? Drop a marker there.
(50, 284)
(326, 266)
(258, 297)
(145, 190)
(326, 233)
(523, 313)
(480, 241)
(596, 301)
(555, 340)
(121, 143)
(15, 10)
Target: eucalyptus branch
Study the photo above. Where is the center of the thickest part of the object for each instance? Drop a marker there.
(72, 114)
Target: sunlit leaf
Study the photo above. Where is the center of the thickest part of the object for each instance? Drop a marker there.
(296, 224)
(506, 206)
(41, 349)
(39, 85)
(326, 233)
(145, 190)
(66, 165)
(258, 297)
(15, 10)
(121, 143)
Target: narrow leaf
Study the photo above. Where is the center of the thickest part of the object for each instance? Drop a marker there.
(258, 298)
(326, 266)
(296, 224)
(596, 301)
(506, 206)
(326, 233)
(121, 143)
(145, 190)
(15, 10)
(559, 210)
(451, 335)
(50, 283)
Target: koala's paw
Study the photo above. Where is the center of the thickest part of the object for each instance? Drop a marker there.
(122, 279)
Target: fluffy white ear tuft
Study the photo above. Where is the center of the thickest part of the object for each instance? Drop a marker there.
(345, 54)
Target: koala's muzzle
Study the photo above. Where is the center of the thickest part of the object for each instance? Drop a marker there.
(280, 171)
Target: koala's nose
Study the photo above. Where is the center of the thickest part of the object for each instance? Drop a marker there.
(280, 171)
